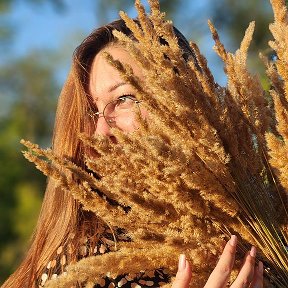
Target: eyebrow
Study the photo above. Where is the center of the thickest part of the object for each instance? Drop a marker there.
(114, 87)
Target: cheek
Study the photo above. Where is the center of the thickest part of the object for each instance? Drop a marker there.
(129, 124)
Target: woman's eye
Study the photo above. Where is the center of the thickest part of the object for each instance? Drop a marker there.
(125, 102)
(126, 99)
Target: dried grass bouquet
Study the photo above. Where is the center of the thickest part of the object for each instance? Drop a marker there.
(208, 161)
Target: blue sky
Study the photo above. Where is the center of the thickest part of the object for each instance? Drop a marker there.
(42, 26)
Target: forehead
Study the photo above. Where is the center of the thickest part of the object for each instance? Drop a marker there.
(103, 75)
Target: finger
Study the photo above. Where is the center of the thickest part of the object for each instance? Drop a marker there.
(184, 274)
(258, 276)
(220, 275)
(246, 274)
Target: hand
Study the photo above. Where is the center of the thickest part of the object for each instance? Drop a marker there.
(249, 276)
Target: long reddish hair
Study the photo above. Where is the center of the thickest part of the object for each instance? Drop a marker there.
(60, 214)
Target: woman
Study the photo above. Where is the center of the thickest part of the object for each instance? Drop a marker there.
(65, 233)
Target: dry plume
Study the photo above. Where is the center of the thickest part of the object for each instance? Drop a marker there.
(208, 162)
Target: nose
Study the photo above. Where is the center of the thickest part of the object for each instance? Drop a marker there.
(102, 127)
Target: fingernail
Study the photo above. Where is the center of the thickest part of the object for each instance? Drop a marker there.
(260, 267)
(233, 240)
(253, 251)
(182, 262)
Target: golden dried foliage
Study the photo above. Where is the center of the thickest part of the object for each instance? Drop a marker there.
(196, 170)
(278, 72)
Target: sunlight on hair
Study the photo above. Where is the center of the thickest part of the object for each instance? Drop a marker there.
(208, 162)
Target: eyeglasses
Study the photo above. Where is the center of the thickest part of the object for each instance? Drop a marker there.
(118, 111)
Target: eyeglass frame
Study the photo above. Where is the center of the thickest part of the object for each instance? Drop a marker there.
(109, 121)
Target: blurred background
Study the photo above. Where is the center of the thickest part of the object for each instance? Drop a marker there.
(37, 39)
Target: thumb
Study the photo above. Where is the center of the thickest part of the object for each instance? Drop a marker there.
(184, 274)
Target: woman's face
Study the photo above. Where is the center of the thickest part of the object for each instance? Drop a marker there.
(112, 94)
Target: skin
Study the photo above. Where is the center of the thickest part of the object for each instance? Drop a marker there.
(106, 85)
(250, 275)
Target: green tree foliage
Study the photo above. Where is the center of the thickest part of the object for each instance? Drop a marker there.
(28, 92)
(232, 17)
